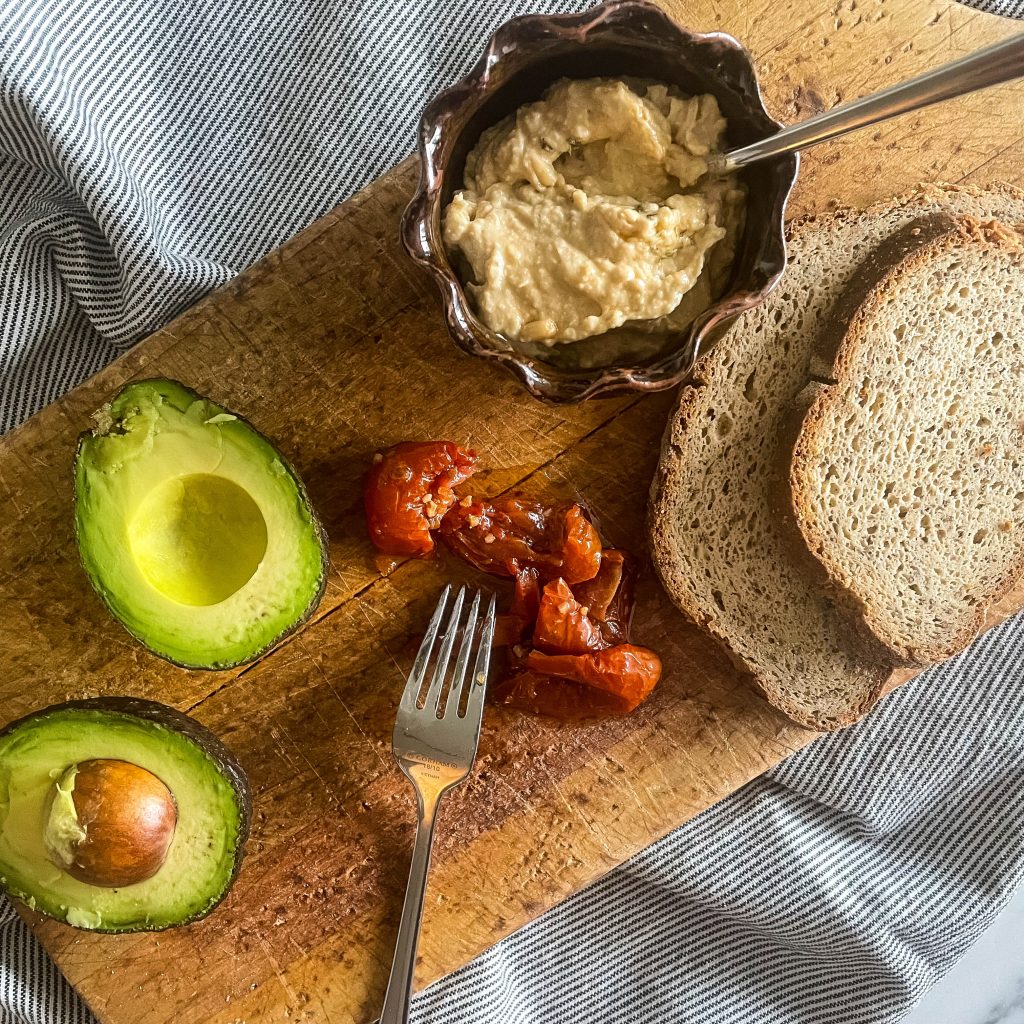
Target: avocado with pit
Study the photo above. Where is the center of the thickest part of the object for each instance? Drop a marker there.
(119, 814)
(193, 529)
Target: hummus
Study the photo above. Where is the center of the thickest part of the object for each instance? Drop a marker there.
(592, 208)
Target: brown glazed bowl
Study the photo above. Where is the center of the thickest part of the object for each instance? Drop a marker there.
(621, 37)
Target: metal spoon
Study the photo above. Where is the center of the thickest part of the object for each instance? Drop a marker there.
(998, 63)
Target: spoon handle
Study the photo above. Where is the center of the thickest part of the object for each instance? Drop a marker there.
(998, 63)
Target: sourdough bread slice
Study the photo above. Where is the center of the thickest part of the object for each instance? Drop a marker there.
(907, 477)
(725, 555)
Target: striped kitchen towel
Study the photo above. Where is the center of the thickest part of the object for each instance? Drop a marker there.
(147, 157)
(1006, 8)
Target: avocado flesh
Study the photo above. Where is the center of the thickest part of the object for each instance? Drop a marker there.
(193, 528)
(63, 831)
(204, 852)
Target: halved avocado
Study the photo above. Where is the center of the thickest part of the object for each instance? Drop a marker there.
(55, 837)
(193, 528)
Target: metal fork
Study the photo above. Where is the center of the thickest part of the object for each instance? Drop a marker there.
(1000, 62)
(435, 744)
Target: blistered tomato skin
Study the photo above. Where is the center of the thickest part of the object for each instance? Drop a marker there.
(502, 535)
(625, 671)
(408, 491)
(515, 625)
(581, 549)
(563, 625)
(526, 599)
(566, 633)
(609, 596)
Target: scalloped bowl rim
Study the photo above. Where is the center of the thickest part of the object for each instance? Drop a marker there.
(430, 253)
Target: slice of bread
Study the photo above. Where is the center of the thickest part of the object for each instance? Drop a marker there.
(725, 554)
(907, 477)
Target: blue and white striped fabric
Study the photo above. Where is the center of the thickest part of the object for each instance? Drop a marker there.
(147, 156)
(1005, 8)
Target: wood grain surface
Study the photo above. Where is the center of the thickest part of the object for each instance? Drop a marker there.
(334, 346)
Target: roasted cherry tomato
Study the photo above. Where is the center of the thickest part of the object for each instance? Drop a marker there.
(409, 490)
(515, 626)
(581, 547)
(563, 625)
(557, 698)
(501, 535)
(526, 599)
(608, 597)
(625, 671)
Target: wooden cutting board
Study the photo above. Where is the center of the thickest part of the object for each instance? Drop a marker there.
(333, 345)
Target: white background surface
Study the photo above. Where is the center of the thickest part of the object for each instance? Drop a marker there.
(987, 985)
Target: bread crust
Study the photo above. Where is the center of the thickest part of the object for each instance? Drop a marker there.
(813, 399)
(839, 346)
(676, 477)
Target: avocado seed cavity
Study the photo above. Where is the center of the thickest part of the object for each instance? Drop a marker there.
(109, 823)
(198, 539)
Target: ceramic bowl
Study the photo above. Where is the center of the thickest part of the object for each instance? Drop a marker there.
(523, 58)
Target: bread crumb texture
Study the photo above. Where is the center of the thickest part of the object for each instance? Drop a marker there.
(724, 543)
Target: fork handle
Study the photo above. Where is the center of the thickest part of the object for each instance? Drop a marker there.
(399, 991)
(1000, 62)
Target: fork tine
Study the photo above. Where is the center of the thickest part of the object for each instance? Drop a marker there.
(419, 668)
(445, 654)
(451, 708)
(478, 681)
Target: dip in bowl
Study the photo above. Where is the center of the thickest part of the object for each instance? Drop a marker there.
(499, 265)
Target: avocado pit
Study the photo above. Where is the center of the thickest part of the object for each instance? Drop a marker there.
(109, 823)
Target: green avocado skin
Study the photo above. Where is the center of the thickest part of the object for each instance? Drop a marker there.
(196, 654)
(112, 715)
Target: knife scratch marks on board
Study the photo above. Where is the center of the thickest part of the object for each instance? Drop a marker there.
(279, 744)
(338, 801)
(300, 295)
(764, 50)
(995, 156)
(13, 498)
(624, 778)
(282, 978)
(658, 731)
(343, 580)
(380, 326)
(315, 234)
(337, 696)
(636, 780)
(497, 777)
(963, 18)
(591, 827)
(328, 789)
(303, 953)
(725, 746)
(383, 646)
